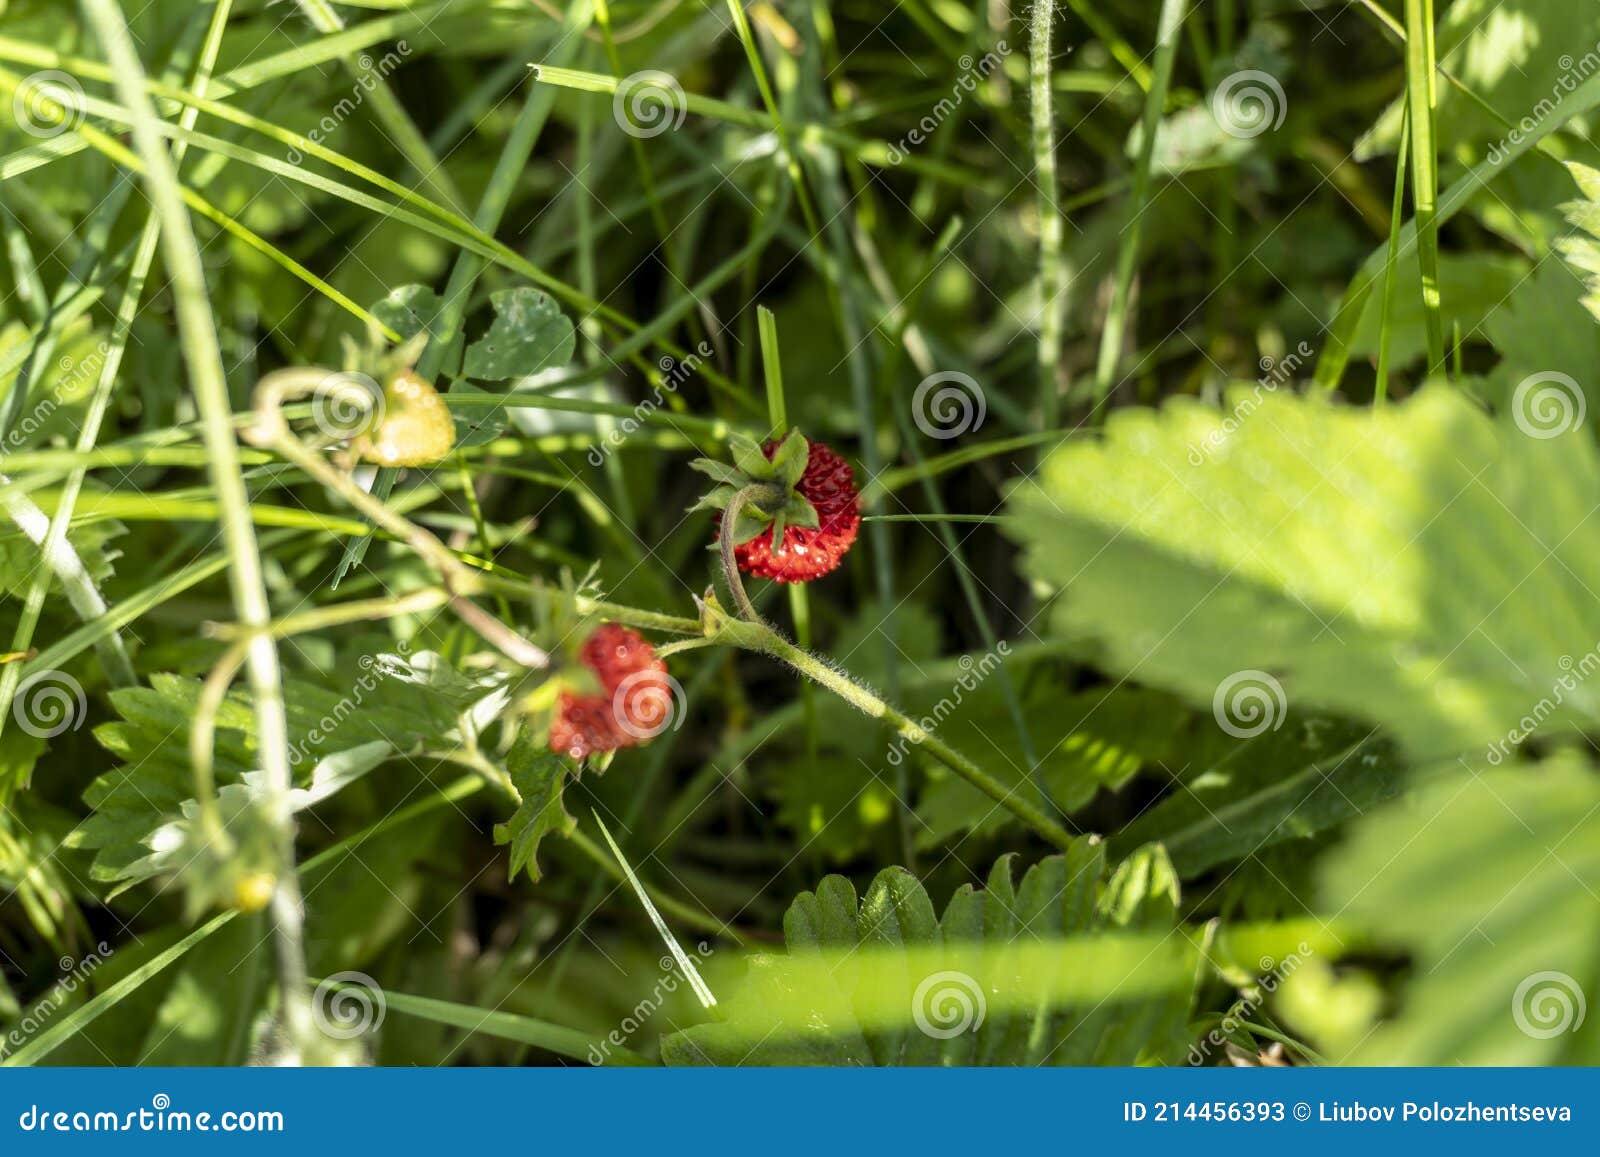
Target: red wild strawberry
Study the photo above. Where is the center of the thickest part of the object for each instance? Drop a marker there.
(635, 702)
(801, 489)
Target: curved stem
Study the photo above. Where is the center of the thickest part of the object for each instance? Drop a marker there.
(725, 546)
(272, 432)
(757, 636)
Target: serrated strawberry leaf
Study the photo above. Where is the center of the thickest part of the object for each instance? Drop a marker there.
(540, 777)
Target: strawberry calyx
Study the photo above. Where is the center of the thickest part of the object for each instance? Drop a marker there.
(756, 491)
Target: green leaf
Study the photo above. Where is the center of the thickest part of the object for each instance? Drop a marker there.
(1085, 742)
(529, 335)
(540, 777)
(1421, 566)
(376, 706)
(1486, 881)
(1067, 968)
(478, 425)
(410, 310)
(1237, 797)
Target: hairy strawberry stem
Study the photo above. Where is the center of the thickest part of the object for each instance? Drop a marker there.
(758, 636)
(753, 495)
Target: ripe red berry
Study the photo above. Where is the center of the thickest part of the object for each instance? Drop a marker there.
(635, 702)
(829, 485)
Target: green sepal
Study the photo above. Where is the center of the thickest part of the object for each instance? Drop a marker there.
(717, 471)
(750, 460)
(790, 458)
